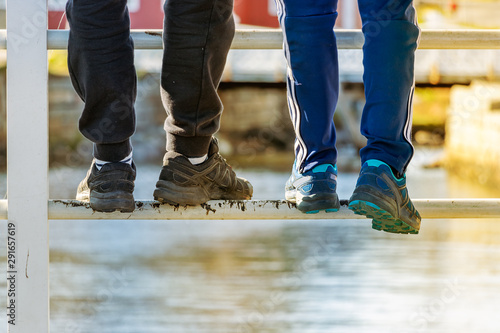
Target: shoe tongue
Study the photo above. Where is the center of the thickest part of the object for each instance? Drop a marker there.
(324, 168)
(377, 163)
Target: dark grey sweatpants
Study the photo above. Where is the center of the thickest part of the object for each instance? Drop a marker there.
(197, 36)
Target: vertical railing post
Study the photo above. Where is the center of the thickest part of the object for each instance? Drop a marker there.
(27, 167)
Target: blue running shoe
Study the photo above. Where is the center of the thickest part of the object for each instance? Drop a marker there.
(314, 190)
(382, 197)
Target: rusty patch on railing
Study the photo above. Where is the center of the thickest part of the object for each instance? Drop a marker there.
(74, 203)
(153, 33)
(208, 208)
(242, 205)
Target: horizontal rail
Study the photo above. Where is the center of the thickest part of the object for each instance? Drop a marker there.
(259, 210)
(273, 39)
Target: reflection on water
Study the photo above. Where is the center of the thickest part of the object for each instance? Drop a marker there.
(276, 276)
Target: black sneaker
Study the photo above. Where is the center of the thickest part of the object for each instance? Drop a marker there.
(186, 184)
(110, 188)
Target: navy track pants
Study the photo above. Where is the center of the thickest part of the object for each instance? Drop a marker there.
(391, 35)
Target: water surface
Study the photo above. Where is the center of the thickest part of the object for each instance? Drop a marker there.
(275, 276)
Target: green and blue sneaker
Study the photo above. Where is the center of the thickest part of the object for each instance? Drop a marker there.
(314, 190)
(381, 196)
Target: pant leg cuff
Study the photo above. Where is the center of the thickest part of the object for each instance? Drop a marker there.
(192, 146)
(112, 152)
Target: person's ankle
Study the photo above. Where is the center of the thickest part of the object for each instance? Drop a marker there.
(100, 163)
(198, 160)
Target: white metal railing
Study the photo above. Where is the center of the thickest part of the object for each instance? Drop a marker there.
(28, 208)
(258, 210)
(273, 39)
(27, 167)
